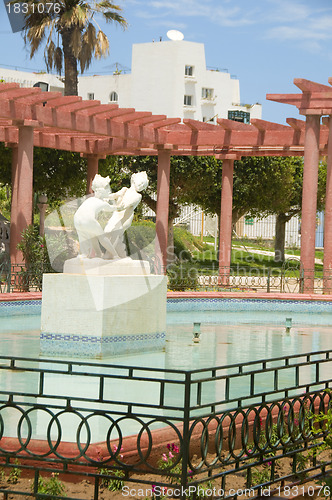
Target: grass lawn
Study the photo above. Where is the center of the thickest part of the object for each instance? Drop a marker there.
(243, 260)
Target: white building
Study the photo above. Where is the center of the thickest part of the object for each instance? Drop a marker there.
(171, 78)
(167, 77)
(47, 82)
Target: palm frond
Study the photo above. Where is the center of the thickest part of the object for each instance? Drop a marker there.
(73, 24)
(110, 12)
(77, 16)
(90, 35)
(102, 45)
(116, 18)
(86, 54)
(58, 58)
(105, 4)
(49, 55)
(34, 36)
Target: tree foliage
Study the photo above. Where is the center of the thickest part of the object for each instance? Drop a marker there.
(73, 24)
(262, 186)
(58, 174)
(272, 185)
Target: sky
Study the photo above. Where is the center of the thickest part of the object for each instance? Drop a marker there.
(264, 43)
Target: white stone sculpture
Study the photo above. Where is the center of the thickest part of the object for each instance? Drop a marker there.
(92, 237)
(126, 201)
(90, 232)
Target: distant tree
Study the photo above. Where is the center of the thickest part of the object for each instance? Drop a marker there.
(262, 186)
(191, 178)
(58, 174)
(72, 23)
(5, 164)
(273, 185)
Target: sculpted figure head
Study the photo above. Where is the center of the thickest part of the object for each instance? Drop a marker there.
(140, 181)
(101, 186)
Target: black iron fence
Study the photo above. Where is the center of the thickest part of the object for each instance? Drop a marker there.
(269, 279)
(287, 279)
(22, 278)
(189, 431)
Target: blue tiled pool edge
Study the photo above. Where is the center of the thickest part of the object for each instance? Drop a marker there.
(206, 304)
(254, 310)
(237, 305)
(20, 307)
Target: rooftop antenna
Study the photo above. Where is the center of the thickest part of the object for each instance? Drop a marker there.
(175, 35)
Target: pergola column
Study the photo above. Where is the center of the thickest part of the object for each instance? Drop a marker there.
(93, 161)
(309, 201)
(164, 166)
(327, 273)
(225, 231)
(22, 190)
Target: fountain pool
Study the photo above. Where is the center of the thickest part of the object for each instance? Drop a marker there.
(229, 335)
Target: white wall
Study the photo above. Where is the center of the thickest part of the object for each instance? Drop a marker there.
(27, 79)
(158, 83)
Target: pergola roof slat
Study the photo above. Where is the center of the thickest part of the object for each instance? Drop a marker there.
(268, 126)
(309, 86)
(64, 101)
(69, 122)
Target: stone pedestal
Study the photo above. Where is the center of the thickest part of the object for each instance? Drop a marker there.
(95, 315)
(101, 267)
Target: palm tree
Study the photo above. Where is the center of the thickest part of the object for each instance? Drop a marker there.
(73, 23)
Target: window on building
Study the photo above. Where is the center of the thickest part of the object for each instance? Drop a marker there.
(188, 100)
(239, 116)
(189, 70)
(114, 97)
(207, 93)
(42, 85)
(91, 96)
(209, 119)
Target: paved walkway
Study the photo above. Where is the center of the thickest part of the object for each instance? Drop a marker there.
(267, 252)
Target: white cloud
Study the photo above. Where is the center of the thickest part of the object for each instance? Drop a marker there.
(282, 20)
(216, 11)
(300, 34)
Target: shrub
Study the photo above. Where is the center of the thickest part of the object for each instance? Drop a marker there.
(33, 247)
(52, 486)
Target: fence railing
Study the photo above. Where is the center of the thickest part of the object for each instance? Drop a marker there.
(242, 419)
(22, 278)
(269, 279)
(287, 279)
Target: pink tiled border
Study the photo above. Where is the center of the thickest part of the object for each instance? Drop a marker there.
(249, 295)
(197, 295)
(10, 297)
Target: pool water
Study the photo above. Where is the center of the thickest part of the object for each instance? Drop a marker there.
(220, 344)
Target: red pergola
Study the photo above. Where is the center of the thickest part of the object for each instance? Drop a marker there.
(30, 117)
(313, 102)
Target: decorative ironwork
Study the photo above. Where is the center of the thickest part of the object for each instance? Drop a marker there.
(22, 278)
(289, 278)
(223, 420)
